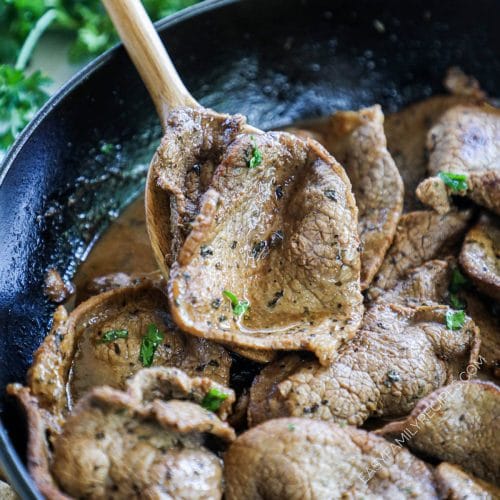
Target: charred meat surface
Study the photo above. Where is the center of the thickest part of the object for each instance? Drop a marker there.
(399, 355)
(272, 260)
(296, 458)
(357, 141)
(465, 145)
(480, 255)
(455, 484)
(457, 424)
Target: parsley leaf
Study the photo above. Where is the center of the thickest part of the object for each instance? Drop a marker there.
(213, 399)
(149, 344)
(114, 335)
(256, 158)
(455, 320)
(20, 98)
(239, 307)
(457, 281)
(456, 302)
(456, 182)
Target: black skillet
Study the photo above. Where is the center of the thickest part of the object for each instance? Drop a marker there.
(276, 61)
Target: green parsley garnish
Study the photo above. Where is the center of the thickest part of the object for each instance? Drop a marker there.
(149, 344)
(291, 427)
(455, 320)
(213, 399)
(114, 335)
(239, 307)
(458, 281)
(456, 182)
(256, 158)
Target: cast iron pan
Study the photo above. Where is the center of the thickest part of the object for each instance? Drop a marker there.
(275, 61)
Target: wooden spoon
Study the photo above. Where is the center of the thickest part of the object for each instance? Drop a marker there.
(167, 92)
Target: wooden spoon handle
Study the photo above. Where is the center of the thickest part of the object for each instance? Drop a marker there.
(149, 56)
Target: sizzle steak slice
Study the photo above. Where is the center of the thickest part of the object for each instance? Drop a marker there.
(458, 424)
(293, 458)
(280, 233)
(358, 142)
(480, 255)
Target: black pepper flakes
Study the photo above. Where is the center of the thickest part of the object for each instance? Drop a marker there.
(279, 192)
(331, 194)
(216, 303)
(277, 296)
(276, 238)
(259, 249)
(205, 251)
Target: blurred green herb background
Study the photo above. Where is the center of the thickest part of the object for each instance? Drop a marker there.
(24, 22)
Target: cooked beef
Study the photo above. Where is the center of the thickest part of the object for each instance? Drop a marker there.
(302, 459)
(406, 133)
(307, 134)
(280, 235)
(164, 383)
(6, 492)
(75, 356)
(56, 289)
(41, 429)
(357, 141)
(455, 484)
(433, 192)
(191, 148)
(113, 447)
(480, 255)
(457, 424)
(465, 140)
(488, 321)
(112, 281)
(127, 445)
(420, 236)
(424, 285)
(460, 84)
(400, 354)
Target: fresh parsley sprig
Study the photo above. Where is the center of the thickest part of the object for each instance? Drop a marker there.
(213, 400)
(455, 320)
(456, 182)
(238, 306)
(113, 335)
(149, 343)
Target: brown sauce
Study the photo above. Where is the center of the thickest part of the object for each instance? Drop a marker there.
(124, 247)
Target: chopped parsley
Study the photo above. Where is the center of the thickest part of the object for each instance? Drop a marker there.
(458, 281)
(455, 320)
(456, 182)
(213, 399)
(256, 157)
(291, 427)
(456, 302)
(239, 307)
(149, 344)
(114, 335)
